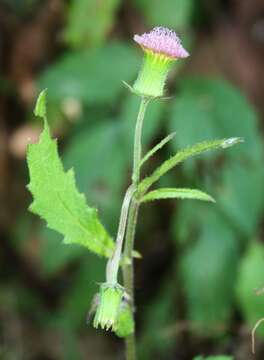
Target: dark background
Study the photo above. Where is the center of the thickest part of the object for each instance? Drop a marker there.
(195, 286)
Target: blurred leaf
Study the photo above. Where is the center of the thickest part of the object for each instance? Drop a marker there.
(182, 155)
(208, 269)
(172, 13)
(209, 108)
(186, 221)
(239, 195)
(71, 350)
(57, 200)
(53, 256)
(89, 21)
(176, 193)
(92, 76)
(76, 302)
(250, 279)
(158, 316)
(90, 149)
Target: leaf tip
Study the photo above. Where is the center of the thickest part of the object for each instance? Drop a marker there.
(210, 198)
(231, 141)
(40, 107)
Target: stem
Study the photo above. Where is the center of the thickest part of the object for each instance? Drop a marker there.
(128, 269)
(137, 141)
(128, 272)
(113, 263)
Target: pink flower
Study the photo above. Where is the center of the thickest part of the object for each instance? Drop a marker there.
(163, 41)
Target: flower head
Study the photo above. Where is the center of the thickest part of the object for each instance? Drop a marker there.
(110, 299)
(163, 41)
(162, 48)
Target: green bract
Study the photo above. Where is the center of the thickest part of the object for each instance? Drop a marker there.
(152, 77)
(162, 47)
(109, 306)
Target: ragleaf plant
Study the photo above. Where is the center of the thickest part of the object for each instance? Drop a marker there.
(59, 203)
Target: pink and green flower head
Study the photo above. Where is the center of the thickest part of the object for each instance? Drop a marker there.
(162, 47)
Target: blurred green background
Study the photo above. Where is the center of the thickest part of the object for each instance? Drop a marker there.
(195, 286)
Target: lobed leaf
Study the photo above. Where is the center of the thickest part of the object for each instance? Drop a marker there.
(183, 155)
(174, 193)
(56, 198)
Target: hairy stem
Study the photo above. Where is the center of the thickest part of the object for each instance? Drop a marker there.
(137, 140)
(128, 268)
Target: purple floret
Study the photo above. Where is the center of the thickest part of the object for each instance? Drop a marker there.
(164, 41)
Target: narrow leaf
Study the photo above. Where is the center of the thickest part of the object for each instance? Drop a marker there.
(173, 193)
(56, 198)
(183, 155)
(156, 148)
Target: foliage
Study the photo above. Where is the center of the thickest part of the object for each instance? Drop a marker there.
(172, 13)
(181, 156)
(89, 21)
(92, 76)
(249, 281)
(170, 193)
(50, 184)
(207, 260)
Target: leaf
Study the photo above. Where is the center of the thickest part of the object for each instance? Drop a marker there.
(208, 108)
(76, 302)
(173, 193)
(89, 21)
(53, 256)
(57, 200)
(172, 13)
(250, 279)
(208, 270)
(183, 155)
(159, 316)
(89, 149)
(91, 76)
(240, 191)
(157, 147)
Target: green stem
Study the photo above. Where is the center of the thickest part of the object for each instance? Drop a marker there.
(128, 272)
(113, 263)
(128, 269)
(137, 140)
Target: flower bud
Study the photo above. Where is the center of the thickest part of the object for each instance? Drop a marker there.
(125, 325)
(109, 306)
(162, 48)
